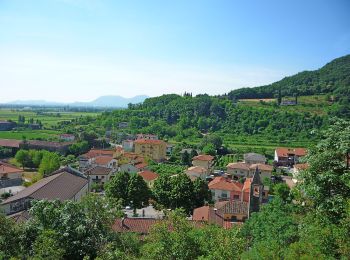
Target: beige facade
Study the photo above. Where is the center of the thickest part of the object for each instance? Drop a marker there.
(154, 149)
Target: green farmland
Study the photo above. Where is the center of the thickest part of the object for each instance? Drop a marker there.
(47, 118)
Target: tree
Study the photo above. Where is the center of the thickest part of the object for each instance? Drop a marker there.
(185, 158)
(326, 181)
(22, 157)
(282, 190)
(201, 193)
(8, 238)
(47, 246)
(49, 163)
(117, 187)
(181, 195)
(209, 149)
(138, 192)
(161, 190)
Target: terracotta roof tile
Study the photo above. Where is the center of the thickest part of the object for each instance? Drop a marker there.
(8, 168)
(136, 225)
(148, 175)
(261, 167)
(238, 165)
(284, 152)
(147, 141)
(103, 160)
(10, 143)
(221, 183)
(203, 157)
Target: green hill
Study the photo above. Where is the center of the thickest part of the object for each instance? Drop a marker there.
(333, 79)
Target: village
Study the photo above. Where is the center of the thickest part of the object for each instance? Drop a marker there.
(235, 193)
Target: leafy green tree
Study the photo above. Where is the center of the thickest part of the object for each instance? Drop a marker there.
(181, 194)
(209, 149)
(282, 190)
(161, 190)
(22, 156)
(117, 187)
(178, 243)
(47, 246)
(201, 193)
(185, 158)
(8, 238)
(49, 163)
(138, 192)
(326, 181)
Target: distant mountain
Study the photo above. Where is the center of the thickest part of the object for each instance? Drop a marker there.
(333, 78)
(112, 101)
(104, 101)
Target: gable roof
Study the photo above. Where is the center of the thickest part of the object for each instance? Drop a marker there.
(10, 143)
(261, 167)
(98, 170)
(285, 152)
(102, 160)
(222, 183)
(148, 175)
(62, 185)
(203, 157)
(239, 165)
(98, 152)
(8, 168)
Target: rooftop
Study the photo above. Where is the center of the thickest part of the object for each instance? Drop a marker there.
(62, 185)
(8, 168)
(285, 152)
(203, 157)
(148, 175)
(147, 141)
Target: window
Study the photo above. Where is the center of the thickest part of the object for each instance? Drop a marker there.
(224, 194)
(236, 197)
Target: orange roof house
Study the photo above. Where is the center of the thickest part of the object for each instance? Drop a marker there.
(289, 156)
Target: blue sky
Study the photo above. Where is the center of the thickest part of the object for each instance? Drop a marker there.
(69, 50)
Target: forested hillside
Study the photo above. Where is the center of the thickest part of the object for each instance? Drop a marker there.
(333, 78)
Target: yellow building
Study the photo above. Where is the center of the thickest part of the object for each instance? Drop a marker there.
(154, 149)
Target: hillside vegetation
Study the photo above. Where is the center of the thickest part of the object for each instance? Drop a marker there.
(333, 78)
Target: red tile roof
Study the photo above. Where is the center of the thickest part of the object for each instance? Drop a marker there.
(261, 167)
(148, 175)
(136, 225)
(203, 157)
(222, 183)
(301, 166)
(285, 152)
(10, 143)
(201, 214)
(103, 160)
(6, 168)
(98, 152)
(147, 141)
(141, 165)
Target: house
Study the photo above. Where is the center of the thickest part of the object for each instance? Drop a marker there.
(154, 149)
(237, 206)
(128, 145)
(297, 168)
(195, 172)
(59, 147)
(238, 170)
(7, 125)
(222, 213)
(149, 177)
(67, 137)
(88, 159)
(289, 156)
(105, 161)
(253, 158)
(132, 163)
(63, 184)
(146, 137)
(11, 144)
(99, 175)
(169, 149)
(225, 189)
(265, 170)
(204, 161)
(10, 175)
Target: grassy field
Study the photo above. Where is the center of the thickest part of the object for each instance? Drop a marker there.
(317, 104)
(30, 134)
(48, 118)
